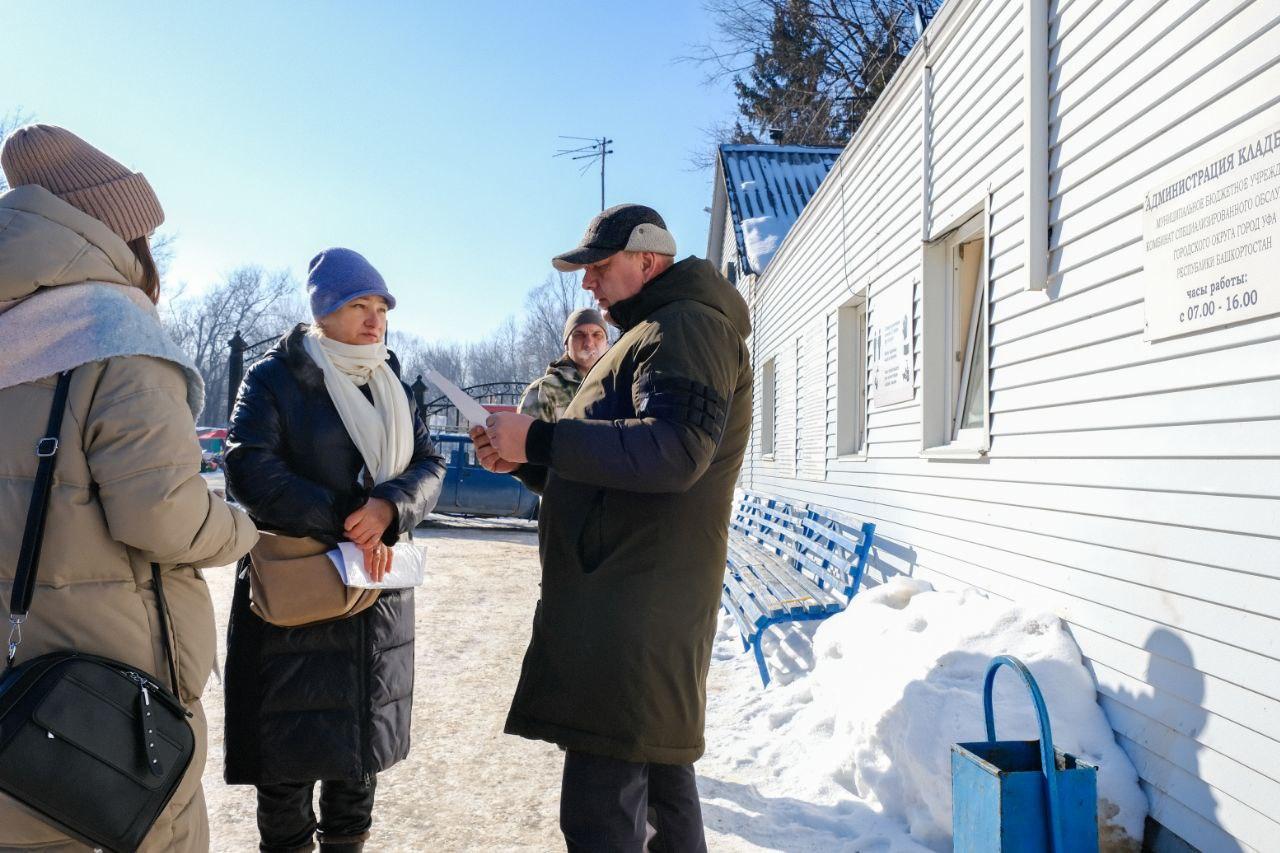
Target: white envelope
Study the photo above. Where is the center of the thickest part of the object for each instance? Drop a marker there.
(408, 566)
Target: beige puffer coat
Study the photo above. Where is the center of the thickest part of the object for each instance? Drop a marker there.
(126, 492)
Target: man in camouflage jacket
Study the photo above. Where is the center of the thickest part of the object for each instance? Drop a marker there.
(585, 340)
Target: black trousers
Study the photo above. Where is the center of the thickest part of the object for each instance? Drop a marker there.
(287, 821)
(606, 805)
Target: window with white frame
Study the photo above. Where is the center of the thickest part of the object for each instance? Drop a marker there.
(768, 406)
(955, 340)
(851, 376)
(797, 409)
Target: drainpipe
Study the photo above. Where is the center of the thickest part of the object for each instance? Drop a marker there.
(926, 148)
(1035, 141)
(755, 334)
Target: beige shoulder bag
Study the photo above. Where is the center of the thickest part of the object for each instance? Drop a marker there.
(292, 582)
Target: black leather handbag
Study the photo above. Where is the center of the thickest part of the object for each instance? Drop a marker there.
(94, 746)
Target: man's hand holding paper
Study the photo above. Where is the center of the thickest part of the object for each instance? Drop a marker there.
(488, 455)
(507, 432)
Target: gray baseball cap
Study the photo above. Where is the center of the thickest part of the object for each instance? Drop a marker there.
(622, 228)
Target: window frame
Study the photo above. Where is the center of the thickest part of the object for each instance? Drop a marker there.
(797, 422)
(769, 409)
(944, 387)
(851, 379)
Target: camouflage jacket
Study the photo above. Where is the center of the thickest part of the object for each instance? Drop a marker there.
(548, 396)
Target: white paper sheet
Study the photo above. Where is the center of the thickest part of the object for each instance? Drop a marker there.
(475, 413)
(408, 566)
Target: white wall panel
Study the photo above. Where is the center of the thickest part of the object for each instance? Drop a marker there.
(1133, 488)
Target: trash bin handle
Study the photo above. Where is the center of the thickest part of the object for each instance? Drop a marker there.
(1047, 762)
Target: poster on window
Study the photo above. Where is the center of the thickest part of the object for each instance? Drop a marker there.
(892, 342)
(1211, 240)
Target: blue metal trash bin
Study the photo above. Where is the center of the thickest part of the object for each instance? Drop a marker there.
(1021, 795)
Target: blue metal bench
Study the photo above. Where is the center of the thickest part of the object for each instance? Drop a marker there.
(789, 562)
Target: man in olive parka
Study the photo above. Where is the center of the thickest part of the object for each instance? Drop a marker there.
(637, 484)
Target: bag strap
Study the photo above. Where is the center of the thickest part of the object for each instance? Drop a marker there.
(163, 607)
(24, 578)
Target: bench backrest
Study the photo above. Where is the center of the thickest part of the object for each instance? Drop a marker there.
(813, 538)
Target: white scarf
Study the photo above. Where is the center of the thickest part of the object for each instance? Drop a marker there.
(382, 430)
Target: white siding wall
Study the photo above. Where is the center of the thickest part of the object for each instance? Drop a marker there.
(729, 248)
(1133, 487)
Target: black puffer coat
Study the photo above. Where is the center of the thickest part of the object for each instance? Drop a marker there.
(329, 701)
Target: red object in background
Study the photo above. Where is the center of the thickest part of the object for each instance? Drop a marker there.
(494, 407)
(213, 442)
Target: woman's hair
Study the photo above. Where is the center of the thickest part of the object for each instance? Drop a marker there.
(150, 275)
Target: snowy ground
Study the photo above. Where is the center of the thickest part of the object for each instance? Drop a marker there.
(847, 750)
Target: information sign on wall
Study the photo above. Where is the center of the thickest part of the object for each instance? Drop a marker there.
(892, 343)
(1212, 241)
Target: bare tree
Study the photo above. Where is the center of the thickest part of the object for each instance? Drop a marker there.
(501, 357)
(547, 306)
(410, 350)
(251, 301)
(714, 135)
(416, 355)
(9, 122)
(450, 360)
(162, 251)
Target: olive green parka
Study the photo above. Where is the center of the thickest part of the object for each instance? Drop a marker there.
(637, 481)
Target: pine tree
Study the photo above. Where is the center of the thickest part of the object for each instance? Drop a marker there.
(782, 97)
(814, 67)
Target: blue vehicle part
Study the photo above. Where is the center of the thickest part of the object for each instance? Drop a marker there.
(469, 489)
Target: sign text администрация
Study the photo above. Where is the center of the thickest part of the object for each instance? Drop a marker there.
(1212, 241)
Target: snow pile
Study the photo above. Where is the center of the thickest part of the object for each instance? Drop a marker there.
(893, 682)
(762, 236)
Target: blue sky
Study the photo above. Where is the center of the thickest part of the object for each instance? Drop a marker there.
(419, 134)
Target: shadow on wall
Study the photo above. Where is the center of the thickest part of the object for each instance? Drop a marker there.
(901, 559)
(1165, 719)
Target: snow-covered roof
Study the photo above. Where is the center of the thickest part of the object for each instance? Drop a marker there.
(767, 187)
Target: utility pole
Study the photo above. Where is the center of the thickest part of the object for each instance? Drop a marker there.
(598, 149)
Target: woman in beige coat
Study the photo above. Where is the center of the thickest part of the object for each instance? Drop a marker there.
(77, 292)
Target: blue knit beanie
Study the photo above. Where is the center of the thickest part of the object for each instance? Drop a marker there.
(336, 276)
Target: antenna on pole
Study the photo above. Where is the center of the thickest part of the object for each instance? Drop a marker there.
(598, 150)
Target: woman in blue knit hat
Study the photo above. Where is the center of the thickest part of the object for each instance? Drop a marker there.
(326, 443)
